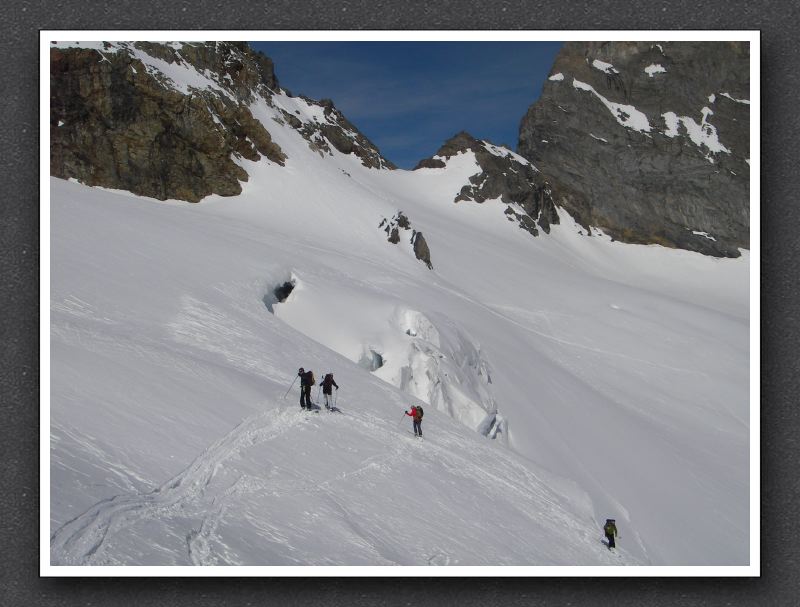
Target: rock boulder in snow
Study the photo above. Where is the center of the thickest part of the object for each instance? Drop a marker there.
(393, 228)
(421, 250)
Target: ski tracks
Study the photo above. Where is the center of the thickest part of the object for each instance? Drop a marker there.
(80, 541)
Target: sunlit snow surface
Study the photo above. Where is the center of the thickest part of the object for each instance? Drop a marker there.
(615, 378)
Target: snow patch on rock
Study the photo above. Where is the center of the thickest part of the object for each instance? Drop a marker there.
(744, 101)
(503, 152)
(627, 115)
(604, 67)
(703, 134)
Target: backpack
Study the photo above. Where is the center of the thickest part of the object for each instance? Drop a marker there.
(313, 381)
(420, 411)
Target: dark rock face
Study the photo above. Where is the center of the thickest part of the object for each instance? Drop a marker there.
(115, 124)
(121, 124)
(393, 228)
(648, 141)
(503, 175)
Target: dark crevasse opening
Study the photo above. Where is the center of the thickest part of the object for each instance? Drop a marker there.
(278, 294)
(371, 360)
(282, 291)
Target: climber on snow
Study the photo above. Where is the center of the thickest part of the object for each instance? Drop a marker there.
(416, 417)
(327, 383)
(306, 381)
(610, 529)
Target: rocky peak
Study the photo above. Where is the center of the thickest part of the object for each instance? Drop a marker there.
(233, 65)
(336, 131)
(458, 143)
(159, 120)
(173, 120)
(648, 141)
(504, 175)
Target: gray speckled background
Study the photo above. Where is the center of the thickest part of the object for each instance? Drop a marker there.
(20, 583)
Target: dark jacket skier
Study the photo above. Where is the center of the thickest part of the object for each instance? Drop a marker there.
(328, 384)
(610, 529)
(416, 416)
(306, 381)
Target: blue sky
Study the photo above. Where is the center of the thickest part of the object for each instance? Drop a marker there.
(409, 97)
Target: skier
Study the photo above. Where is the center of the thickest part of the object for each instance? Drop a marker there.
(416, 415)
(327, 382)
(306, 381)
(610, 529)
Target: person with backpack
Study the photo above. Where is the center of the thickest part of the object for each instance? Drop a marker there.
(306, 381)
(610, 529)
(327, 388)
(416, 417)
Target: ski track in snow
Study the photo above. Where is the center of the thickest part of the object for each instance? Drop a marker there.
(80, 541)
(205, 272)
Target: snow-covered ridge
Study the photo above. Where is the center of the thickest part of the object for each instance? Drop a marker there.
(179, 75)
(306, 111)
(504, 152)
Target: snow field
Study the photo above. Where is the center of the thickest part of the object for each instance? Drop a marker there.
(619, 373)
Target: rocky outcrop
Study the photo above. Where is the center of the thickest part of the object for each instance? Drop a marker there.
(400, 224)
(172, 120)
(648, 141)
(117, 123)
(503, 175)
(421, 250)
(340, 133)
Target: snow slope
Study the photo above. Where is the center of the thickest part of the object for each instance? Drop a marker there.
(613, 378)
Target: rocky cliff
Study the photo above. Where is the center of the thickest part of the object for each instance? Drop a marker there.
(502, 175)
(172, 120)
(648, 141)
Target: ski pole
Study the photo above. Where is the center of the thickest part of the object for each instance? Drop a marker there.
(290, 387)
(335, 396)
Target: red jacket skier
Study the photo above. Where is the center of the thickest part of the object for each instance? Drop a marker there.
(416, 415)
